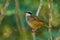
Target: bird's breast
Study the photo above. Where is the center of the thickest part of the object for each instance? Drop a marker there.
(28, 18)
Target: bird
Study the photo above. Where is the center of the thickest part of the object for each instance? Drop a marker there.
(34, 21)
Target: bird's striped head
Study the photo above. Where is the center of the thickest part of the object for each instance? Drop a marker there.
(28, 13)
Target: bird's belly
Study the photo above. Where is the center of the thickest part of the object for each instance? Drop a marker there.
(34, 25)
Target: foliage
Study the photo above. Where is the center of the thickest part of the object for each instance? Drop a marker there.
(10, 27)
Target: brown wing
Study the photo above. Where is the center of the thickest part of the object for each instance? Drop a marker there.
(36, 18)
(35, 22)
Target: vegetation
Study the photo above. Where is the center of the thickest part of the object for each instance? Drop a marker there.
(13, 25)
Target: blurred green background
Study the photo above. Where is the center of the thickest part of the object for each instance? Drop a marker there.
(10, 29)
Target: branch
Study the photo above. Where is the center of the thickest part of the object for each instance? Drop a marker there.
(33, 35)
(3, 11)
(17, 10)
(39, 8)
(50, 6)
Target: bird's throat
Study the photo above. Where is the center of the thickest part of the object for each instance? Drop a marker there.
(28, 18)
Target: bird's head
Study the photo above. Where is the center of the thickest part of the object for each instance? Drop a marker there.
(28, 13)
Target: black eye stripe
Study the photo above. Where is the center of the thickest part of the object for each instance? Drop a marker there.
(29, 12)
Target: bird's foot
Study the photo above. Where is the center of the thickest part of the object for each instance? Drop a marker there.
(33, 30)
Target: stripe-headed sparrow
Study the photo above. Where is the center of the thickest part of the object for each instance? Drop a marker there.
(34, 21)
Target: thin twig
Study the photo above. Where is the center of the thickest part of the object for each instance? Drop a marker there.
(16, 11)
(17, 22)
(3, 10)
(50, 5)
(39, 8)
(21, 19)
(33, 35)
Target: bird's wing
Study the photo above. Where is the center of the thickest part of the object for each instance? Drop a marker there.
(36, 20)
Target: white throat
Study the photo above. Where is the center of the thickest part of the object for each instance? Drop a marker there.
(28, 16)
